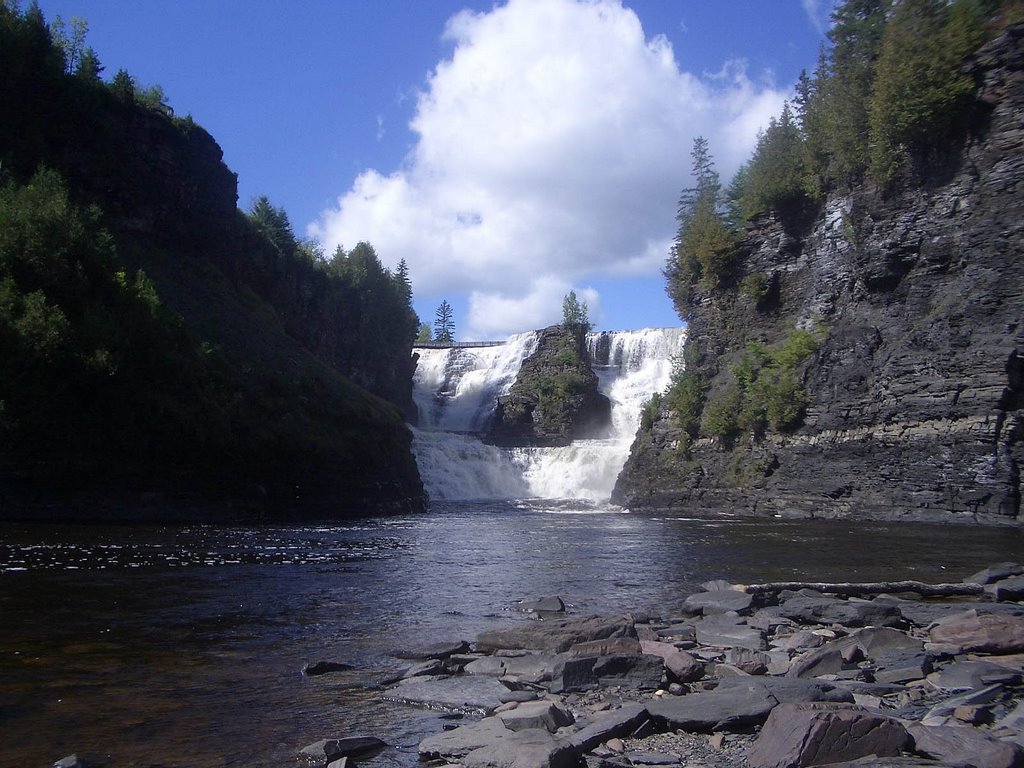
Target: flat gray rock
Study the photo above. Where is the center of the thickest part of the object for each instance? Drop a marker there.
(618, 723)
(798, 735)
(725, 631)
(462, 693)
(896, 666)
(720, 601)
(329, 750)
(439, 650)
(722, 709)
(530, 668)
(463, 740)
(790, 690)
(963, 745)
(557, 635)
(548, 715)
(848, 613)
(430, 667)
(533, 748)
(968, 675)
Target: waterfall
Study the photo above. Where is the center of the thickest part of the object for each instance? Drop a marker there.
(456, 390)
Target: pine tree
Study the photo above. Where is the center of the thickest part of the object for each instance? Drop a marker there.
(705, 244)
(444, 324)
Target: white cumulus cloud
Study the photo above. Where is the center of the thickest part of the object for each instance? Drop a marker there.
(550, 149)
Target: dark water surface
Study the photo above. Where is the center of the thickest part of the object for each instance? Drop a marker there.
(182, 646)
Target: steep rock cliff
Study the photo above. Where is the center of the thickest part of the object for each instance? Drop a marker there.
(914, 394)
(555, 397)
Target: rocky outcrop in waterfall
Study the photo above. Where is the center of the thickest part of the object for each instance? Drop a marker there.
(908, 398)
(555, 398)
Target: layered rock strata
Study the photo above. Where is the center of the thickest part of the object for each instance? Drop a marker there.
(915, 392)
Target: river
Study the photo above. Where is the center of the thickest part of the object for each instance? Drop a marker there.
(182, 646)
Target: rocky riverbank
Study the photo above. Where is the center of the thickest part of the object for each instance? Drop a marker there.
(766, 676)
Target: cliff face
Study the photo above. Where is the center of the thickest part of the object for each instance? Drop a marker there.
(915, 392)
(221, 384)
(555, 397)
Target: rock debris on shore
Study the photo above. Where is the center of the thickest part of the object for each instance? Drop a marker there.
(766, 676)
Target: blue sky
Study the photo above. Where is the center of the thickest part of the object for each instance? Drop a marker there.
(508, 151)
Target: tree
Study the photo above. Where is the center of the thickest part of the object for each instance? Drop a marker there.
(775, 175)
(424, 336)
(273, 224)
(705, 244)
(444, 324)
(920, 90)
(403, 282)
(70, 38)
(575, 315)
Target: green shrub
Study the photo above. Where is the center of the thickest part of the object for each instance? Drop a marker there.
(755, 287)
(720, 417)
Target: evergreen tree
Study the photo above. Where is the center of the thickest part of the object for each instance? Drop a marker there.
(444, 324)
(705, 244)
(775, 175)
(920, 90)
(424, 336)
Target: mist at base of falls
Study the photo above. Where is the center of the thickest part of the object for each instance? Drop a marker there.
(456, 391)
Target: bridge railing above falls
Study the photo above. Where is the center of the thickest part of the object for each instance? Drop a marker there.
(456, 344)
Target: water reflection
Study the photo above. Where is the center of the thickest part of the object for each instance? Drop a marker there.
(183, 645)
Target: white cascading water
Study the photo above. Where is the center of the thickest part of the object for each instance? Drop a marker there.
(456, 390)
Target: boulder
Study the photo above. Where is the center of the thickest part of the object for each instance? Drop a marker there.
(849, 613)
(799, 735)
(556, 636)
(994, 573)
(328, 750)
(537, 714)
(981, 632)
(462, 693)
(1007, 589)
(963, 745)
(582, 674)
(681, 665)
